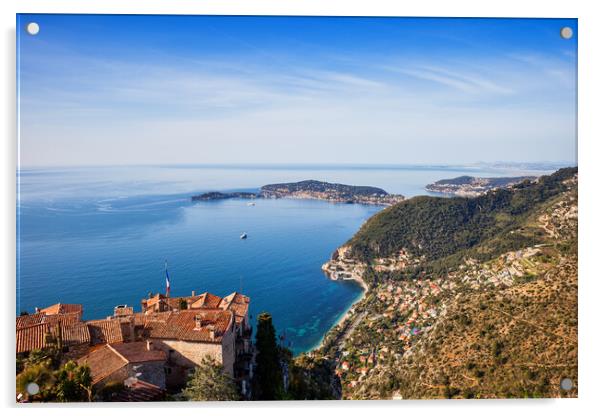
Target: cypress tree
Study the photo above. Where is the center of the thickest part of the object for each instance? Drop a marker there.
(268, 376)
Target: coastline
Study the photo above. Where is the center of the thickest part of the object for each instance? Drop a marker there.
(347, 313)
(356, 279)
(343, 317)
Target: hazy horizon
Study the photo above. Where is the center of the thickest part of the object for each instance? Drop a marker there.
(101, 90)
(335, 165)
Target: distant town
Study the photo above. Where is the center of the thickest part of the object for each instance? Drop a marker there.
(470, 186)
(312, 189)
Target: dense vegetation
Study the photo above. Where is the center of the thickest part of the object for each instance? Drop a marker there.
(501, 324)
(440, 228)
(209, 382)
(313, 378)
(279, 376)
(318, 186)
(268, 381)
(213, 196)
(493, 182)
(57, 383)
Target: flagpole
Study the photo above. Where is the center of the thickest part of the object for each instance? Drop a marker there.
(167, 283)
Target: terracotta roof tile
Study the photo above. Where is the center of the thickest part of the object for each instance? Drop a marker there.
(65, 319)
(206, 300)
(141, 318)
(102, 362)
(237, 303)
(42, 318)
(104, 331)
(139, 391)
(155, 299)
(29, 320)
(35, 337)
(109, 358)
(183, 326)
(138, 352)
(174, 303)
(76, 334)
(60, 308)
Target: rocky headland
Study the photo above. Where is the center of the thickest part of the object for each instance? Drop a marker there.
(312, 189)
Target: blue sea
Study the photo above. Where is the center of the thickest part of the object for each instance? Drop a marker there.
(100, 236)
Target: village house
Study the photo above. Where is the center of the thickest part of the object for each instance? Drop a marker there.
(138, 391)
(120, 362)
(173, 334)
(236, 302)
(63, 309)
(193, 327)
(58, 325)
(105, 331)
(189, 336)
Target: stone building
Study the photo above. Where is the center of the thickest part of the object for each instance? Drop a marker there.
(126, 361)
(192, 327)
(58, 325)
(168, 339)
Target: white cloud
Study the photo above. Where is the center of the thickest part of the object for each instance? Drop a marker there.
(389, 112)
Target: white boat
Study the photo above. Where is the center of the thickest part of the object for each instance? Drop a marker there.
(251, 204)
(243, 236)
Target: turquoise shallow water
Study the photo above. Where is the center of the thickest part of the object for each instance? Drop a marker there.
(100, 236)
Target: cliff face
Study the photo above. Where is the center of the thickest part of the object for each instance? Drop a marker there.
(495, 318)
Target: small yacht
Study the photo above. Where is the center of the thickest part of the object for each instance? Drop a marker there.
(243, 236)
(251, 204)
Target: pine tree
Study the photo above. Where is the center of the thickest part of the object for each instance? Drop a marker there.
(73, 383)
(210, 383)
(268, 376)
(39, 373)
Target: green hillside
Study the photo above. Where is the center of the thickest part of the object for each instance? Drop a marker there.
(442, 229)
(493, 313)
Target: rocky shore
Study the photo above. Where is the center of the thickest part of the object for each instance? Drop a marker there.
(342, 267)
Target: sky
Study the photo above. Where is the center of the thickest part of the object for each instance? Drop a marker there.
(127, 90)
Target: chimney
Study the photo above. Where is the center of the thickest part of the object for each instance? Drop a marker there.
(37, 309)
(211, 333)
(149, 345)
(193, 293)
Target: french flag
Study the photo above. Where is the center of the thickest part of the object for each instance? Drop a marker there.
(167, 286)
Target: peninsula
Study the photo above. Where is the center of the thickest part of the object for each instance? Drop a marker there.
(312, 189)
(470, 186)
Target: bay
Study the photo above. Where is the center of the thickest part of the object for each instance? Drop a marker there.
(99, 236)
